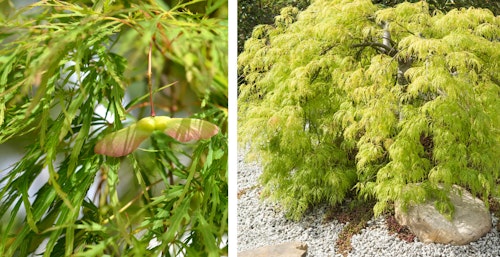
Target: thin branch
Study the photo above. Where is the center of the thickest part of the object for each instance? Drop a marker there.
(495, 80)
(391, 51)
(150, 82)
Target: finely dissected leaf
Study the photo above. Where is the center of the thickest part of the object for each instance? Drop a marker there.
(391, 98)
(123, 141)
(185, 129)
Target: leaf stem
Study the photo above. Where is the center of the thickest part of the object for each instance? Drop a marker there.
(150, 83)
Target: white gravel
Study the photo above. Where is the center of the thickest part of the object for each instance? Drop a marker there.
(262, 223)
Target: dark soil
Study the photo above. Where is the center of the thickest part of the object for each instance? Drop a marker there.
(356, 216)
(495, 209)
(402, 232)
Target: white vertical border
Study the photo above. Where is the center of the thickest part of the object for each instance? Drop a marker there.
(232, 125)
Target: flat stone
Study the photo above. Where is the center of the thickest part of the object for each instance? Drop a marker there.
(471, 220)
(290, 249)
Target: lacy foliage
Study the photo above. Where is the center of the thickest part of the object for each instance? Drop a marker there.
(346, 98)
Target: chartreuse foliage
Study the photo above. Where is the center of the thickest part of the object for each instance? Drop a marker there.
(59, 62)
(386, 103)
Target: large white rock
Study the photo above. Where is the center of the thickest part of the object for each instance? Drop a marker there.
(471, 220)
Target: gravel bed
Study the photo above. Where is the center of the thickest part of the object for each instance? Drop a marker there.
(262, 223)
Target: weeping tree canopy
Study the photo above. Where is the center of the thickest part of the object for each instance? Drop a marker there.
(447, 5)
(252, 13)
(350, 99)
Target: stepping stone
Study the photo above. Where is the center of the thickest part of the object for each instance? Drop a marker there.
(290, 249)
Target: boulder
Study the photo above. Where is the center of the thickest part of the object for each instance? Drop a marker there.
(471, 220)
(290, 249)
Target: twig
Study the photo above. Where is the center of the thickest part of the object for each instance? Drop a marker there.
(150, 82)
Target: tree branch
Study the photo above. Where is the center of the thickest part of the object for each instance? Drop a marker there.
(391, 51)
(495, 80)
